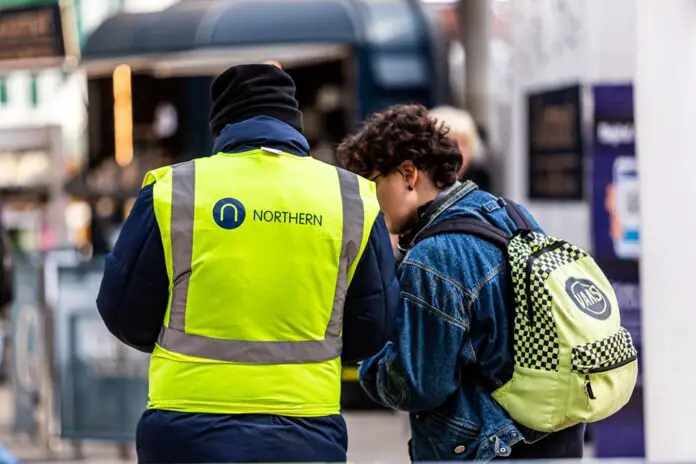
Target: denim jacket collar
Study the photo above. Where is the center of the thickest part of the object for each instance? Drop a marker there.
(429, 212)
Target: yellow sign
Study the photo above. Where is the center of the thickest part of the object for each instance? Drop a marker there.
(350, 374)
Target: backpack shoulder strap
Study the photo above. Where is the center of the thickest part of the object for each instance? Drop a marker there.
(469, 226)
(513, 210)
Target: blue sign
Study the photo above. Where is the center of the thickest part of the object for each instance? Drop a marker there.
(616, 246)
(615, 202)
(615, 189)
(229, 213)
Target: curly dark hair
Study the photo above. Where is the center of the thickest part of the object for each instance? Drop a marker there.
(402, 133)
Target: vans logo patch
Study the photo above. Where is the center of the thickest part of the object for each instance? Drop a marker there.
(588, 298)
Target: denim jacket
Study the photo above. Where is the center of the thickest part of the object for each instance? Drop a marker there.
(453, 344)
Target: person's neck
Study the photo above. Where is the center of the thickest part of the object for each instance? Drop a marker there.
(432, 199)
(429, 206)
(426, 198)
(428, 195)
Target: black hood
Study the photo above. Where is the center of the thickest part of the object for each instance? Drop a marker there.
(250, 90)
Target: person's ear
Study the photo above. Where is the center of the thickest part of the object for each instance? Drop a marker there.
(410, 173)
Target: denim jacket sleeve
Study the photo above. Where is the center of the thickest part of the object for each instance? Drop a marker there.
(419, 369)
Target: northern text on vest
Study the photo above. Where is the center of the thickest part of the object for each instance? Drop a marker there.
(286, 217)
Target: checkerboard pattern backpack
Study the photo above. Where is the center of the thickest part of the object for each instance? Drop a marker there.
(574, 362)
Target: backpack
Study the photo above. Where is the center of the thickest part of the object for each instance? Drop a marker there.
(573, 362)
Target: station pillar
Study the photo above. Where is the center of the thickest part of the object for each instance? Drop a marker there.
(476, 26)
(665, 96)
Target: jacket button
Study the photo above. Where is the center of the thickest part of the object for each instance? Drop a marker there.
(459, 449)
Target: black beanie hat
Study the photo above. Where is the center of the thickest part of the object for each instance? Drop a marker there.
(245, 91)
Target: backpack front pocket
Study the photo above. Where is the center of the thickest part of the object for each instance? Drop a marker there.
(604, 373)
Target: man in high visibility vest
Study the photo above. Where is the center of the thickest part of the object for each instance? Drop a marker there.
(250, 275)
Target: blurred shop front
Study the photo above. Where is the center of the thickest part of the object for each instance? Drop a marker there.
(39, 37)
(33, 36)
(143, 86)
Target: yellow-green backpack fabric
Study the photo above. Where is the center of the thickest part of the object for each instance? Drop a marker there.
(573, 361)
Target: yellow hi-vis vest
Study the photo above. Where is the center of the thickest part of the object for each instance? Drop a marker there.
(260, 247)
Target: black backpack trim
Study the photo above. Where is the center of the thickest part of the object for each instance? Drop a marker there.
(481, 229)
(515, 212)
(469, 226)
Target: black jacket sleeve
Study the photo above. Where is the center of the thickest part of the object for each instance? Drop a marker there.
(134, 291)
(372, 298)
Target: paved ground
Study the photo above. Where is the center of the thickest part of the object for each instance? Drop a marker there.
(29, 452)
(375, 437)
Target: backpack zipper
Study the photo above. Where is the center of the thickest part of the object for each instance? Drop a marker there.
(600, 370)
(530, 265)
(588, 381)
(588, 388)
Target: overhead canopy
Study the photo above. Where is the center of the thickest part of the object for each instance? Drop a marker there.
(205, 29)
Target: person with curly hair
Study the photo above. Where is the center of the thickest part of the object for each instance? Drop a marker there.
(453, 345)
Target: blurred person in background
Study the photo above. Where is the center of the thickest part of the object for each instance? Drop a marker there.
(250, 275)
(6, 270)
(453, 345)
(6, 294)
(467, 134)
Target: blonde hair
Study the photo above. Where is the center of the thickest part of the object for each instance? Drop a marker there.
(460, 125)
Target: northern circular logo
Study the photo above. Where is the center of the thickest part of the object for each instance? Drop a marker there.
(229, 213)
(589, 298)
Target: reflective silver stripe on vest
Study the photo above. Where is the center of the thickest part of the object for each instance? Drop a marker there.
(174, 338)
(353, 221)
(183, 207)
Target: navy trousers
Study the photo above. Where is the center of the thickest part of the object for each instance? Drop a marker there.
(173, 437)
